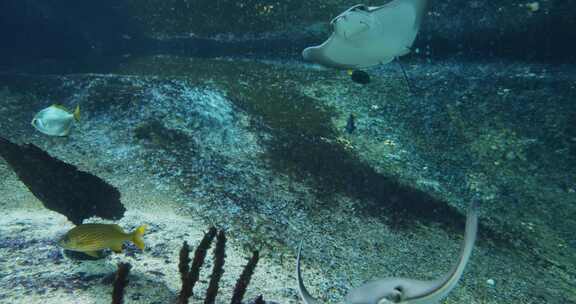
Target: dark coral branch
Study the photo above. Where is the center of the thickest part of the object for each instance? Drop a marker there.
(244, 279)
(259, 300)
(120, 282)
(194, 272)
(184, 268)
(190, 275)
(218, 269)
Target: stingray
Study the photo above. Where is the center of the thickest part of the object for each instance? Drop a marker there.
(403, 290)
(366, 36)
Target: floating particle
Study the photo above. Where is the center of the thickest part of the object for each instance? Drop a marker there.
(533, 6)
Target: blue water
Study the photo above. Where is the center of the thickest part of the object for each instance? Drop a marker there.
(199, 114)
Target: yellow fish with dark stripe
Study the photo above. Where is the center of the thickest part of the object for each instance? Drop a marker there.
(91, 238)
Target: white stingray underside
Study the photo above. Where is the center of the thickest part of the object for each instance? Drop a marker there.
(364, 38)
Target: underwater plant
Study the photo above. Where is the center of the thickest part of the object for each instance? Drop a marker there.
(120, 282)
(189, 274)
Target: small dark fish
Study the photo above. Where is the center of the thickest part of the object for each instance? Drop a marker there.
(360, 77)
(351, 124)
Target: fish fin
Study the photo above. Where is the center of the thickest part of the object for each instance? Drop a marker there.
(117, 248)
(94, 254)
(61, 107)
(137, 236)
(77, 113)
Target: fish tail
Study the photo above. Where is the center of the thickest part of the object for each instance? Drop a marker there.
(77, 113)
(137, 236)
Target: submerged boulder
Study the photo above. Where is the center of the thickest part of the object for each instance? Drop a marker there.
(61, 187)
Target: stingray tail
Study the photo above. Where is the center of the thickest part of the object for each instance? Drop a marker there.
(408, 83)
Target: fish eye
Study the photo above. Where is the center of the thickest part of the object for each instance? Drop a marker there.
(393, 297)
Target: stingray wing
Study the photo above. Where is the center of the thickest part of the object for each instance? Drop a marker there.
(398, 23)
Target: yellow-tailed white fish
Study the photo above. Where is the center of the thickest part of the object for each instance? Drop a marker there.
(56, 120)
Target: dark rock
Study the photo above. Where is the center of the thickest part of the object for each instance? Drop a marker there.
(61, 187)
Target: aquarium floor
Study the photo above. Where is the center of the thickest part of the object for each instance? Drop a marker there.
(207, 164)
